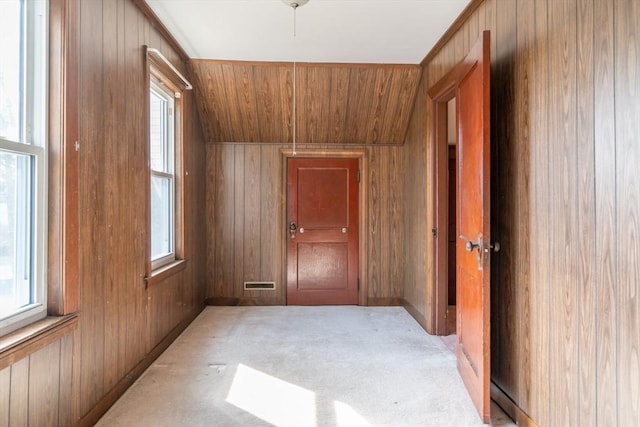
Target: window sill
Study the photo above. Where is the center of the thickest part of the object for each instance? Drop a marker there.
(25, 341)
(164, 272)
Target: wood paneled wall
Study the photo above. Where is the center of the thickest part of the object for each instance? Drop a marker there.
(565, 203)
(245, 200)
(120, 322)
(418, 213)
(336, 103)
(36, 390)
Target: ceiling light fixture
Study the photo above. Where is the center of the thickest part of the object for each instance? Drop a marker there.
(294, 4)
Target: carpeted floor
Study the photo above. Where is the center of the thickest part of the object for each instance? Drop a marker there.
(301, 366)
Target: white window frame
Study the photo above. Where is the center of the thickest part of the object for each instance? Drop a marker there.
(169, 168)
(33, 144)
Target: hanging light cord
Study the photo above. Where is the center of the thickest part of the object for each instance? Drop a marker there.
(294, 107)
(294, 101)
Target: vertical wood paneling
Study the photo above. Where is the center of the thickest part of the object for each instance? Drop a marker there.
(5, 395)
(586, 292)
(627, 110)
(522, 152)
(19, 400)
(113, 197)
(221, 172)
(374, 279)
(563, 198)
(91, 201)
(252, 213)
(44, 386)
(395, 251)
(417, 215)
(540, 360)
(238, 243)
(67, 393)
(605, 259)
(271, 231)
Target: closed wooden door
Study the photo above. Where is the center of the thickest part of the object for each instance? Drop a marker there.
(322, 248)
(474, 248)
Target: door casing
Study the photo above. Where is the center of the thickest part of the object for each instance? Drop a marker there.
(441, 93)
(362, 203)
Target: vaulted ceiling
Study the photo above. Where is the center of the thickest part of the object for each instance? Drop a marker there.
(357, 71)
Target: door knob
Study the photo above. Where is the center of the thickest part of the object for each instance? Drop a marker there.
(470, 245)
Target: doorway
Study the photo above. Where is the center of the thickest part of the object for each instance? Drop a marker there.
(469, 83)
(323, 231)
(452, 234)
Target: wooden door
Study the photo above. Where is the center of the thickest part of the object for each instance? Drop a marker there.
(322, 248)
(474, 245)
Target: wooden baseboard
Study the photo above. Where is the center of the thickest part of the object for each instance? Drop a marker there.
(510, 407)
(416, 314)
(385, 302)
(222, 301)
(112, 396)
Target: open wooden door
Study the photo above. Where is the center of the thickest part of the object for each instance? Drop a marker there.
(474, 244)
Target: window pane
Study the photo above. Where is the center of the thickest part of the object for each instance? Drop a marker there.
(161, 218)
(10, 69)
(16, 245)
(157, 133)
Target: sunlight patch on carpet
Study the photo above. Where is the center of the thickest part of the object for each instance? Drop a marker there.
(271, 399)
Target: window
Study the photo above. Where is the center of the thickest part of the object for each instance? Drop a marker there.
(163, 183)
(23, 129)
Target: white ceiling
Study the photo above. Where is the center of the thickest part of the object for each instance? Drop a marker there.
(354, 31)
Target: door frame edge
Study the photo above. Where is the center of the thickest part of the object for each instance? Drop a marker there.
(361, 155)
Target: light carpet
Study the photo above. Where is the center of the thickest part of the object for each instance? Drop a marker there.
(301, 366)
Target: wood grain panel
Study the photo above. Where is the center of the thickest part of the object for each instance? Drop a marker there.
(91, 202)
(44, 386)
(538, 404)
(627, 110)
(5, 395)
(586, 225)
(336, 132)
(112, 196)
(563, 198)
(252, 213)
(336, 103)
(417, 215)
(605, 258)
(271, 226)
(19, 400)
(238, 227)
(221, 170)
(522, 152)
(374, 266)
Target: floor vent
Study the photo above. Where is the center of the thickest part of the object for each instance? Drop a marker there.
(259, 286)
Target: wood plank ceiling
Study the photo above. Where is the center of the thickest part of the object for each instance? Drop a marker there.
(360, 104)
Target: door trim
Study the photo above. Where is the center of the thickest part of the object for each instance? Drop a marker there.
(362, 203)
(440, 94)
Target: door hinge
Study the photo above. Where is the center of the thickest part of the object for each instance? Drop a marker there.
(358, 283)
(434, 232)
(358, 175)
